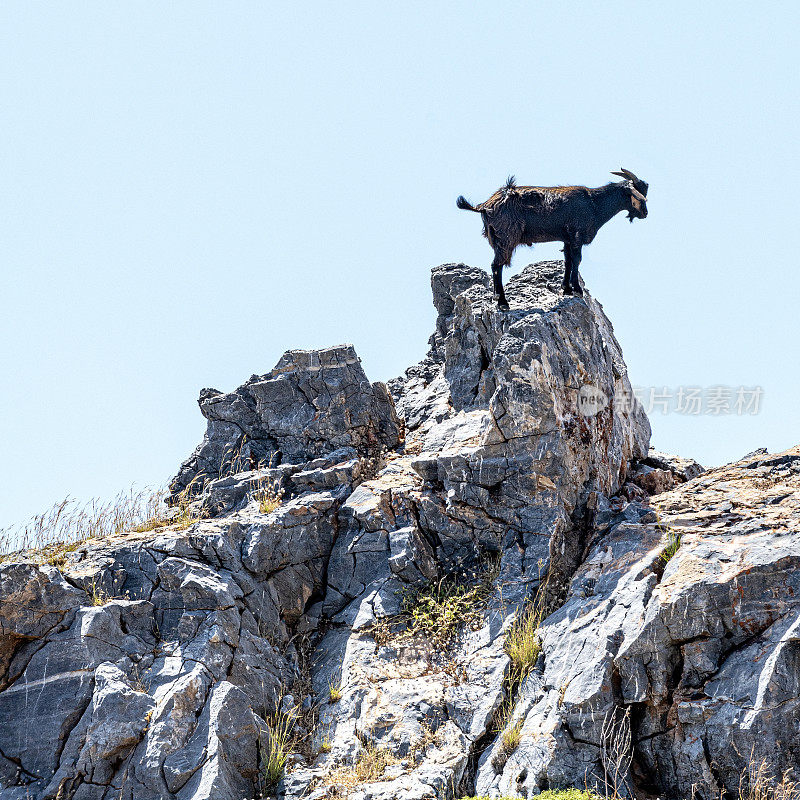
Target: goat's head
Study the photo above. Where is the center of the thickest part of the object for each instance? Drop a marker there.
(637, 194)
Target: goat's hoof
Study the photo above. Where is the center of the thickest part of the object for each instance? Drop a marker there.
(567, 289)
(502, 303)
(578, 291)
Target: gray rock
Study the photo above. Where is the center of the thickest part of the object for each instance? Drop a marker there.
(151, 665)
(684, 469)
(312, 403)
(653, 480)
(697, 650)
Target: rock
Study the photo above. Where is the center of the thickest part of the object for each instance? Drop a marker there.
(232, 492)
(652, 480)
(312, 403)
(499, 458)
(684, 469)
(375, 591)
(697, 649)
(111, 726)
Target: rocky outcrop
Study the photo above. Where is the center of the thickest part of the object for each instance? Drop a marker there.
(498, 462)
(697, 645)
(312, 403)
(510, 468)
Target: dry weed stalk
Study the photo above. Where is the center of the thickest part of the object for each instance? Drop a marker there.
(758, 782)
(616, 752)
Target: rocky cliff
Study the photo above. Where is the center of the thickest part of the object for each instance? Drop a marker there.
(351, 569)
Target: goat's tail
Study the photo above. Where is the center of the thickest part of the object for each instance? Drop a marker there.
(464, 204)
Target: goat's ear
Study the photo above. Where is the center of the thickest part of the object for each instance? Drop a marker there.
(636, 204)
(637, 195)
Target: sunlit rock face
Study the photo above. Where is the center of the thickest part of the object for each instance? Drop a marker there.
(311, 404)
(325, 520)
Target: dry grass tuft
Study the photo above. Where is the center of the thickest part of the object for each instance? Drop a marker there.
(97, 595)
(522, 641)
(334, 692)
(269, 495)
(49, 537)
(370, 764)
(437, 611)
(278, 747)
(758, 782)
(512, 736)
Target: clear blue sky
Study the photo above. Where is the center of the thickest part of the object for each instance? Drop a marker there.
(191, 188)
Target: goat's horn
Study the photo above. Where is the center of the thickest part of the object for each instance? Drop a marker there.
(626, 173)
(638, 195)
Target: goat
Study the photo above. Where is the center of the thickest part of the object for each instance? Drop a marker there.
(516, 215)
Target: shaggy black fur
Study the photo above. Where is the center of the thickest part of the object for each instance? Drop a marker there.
(516, 215)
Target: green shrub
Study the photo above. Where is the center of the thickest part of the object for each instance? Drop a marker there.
(437, 611)
(550, 794)
(673, 545)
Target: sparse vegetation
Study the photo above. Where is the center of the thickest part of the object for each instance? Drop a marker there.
(522, 642)
(512, 736)
(523, 647)
(758, 782)
(334, 692)
(549, 794)
(55, 554)
(437, 611)
(136, 681)
(616, 752)
(278, 746)
(97, 595)
(268, 495)
(672, 547)
(49, 537)
(370, 764)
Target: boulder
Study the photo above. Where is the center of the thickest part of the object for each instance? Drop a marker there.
(312, 403)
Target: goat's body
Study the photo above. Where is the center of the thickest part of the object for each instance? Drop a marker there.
(536, 214)
(527, 215)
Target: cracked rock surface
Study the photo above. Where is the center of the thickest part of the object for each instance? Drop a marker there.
(151, 665)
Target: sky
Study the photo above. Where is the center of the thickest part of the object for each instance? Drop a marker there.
(191, 188)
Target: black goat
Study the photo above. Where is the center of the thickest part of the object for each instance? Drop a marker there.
(516, 215)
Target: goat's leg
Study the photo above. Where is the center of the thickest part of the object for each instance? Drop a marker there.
(572, 260)
(498, 263)
(576, 262)
(566, 286)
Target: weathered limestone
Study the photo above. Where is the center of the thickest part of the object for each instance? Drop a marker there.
(149, 665)
(312, 403)
(701, 650)
(498, 458)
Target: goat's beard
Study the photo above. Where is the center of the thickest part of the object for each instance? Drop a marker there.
(631, 218)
